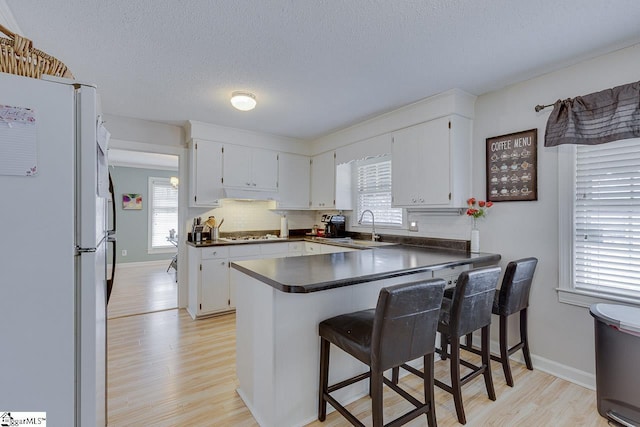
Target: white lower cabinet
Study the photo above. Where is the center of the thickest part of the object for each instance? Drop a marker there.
(311, 248)
(208, 281)
(331, 249)
(210, 289)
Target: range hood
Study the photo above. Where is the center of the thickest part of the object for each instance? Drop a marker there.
(242, 194)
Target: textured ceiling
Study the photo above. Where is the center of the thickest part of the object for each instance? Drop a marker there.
(315, 65)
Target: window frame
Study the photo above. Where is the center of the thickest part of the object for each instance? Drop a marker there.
(567, 291)
(169, 248)
(366, 226)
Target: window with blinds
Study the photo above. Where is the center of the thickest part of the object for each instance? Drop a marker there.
(607, 218)
(373, 185)
(163, 212)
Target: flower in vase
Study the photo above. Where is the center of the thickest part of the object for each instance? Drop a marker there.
(477, 209)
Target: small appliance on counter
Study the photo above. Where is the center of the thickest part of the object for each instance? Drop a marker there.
(334, 226)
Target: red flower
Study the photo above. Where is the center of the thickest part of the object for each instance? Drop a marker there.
(479, 210)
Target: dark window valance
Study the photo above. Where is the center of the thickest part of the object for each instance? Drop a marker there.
(600, 117)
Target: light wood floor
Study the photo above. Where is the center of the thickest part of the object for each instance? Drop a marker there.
(142, 289)
(168, 370)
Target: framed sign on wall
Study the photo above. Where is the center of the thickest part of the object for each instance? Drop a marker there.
(512, 167)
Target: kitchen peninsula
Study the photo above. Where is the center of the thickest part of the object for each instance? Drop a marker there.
(279, 303)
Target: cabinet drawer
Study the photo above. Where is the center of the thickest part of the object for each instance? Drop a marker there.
(214, 252)
(244, 249)
(274, 248)
(296, 246)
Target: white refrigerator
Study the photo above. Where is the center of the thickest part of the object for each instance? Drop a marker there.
(53, 245)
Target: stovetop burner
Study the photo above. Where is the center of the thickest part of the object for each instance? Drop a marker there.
(265, 237)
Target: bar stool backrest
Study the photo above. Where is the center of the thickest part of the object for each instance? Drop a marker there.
(472, 300)
(516, 284)
(405, 323)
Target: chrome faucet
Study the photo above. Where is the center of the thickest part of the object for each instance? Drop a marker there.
(374, 236)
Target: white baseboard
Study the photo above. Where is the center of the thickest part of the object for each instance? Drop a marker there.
(568, 373)
(164, 262)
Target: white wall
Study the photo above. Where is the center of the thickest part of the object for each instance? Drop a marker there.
(558, 332)
(144, 131)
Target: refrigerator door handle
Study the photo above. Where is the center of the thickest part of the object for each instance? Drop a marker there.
(111, 233)
(110, 280)
(80, 250)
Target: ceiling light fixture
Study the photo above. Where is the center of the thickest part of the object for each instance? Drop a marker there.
(243, 101)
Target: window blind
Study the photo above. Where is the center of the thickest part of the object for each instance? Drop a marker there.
(373, 183)
(607, 217)
(164, 211)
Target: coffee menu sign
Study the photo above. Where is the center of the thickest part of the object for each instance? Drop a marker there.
(512, 167)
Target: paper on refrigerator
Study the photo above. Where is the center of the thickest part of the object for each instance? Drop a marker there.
(18, 141)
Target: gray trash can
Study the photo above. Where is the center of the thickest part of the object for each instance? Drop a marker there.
(617, 336)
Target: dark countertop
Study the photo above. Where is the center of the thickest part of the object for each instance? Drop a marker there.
(314, 273)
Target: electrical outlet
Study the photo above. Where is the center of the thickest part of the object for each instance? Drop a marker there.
(124, 252)
(413, 225)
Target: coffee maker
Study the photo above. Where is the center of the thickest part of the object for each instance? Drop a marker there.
(334, 226)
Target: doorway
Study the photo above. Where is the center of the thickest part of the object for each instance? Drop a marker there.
(146, 186)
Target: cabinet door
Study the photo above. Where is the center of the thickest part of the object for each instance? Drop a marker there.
(294, 181)
(214, 293)
(421, 172)
(264, 169)
(205, 184)
(436, 163)
(237, 166)
(323, 179)
(406, 172)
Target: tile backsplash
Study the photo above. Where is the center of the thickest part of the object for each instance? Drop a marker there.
(248, 215)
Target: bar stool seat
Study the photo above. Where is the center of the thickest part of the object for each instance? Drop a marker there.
(401, 328)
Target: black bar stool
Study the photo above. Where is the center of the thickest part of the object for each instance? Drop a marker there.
(511, 298)
(401, 328)
(468, 310)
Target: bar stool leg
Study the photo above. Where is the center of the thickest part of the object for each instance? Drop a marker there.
(324, 378)
(376, 399)
(456, 386)
(486, 361)
(395, 375)
(504, 351)
(428, 390)
(444, 343)
(469, 340)
(525, 339)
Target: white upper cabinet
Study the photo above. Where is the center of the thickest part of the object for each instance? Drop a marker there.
(323, 181)
(250, 168)
(205, 180)
(431, 164)
(294, 181)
